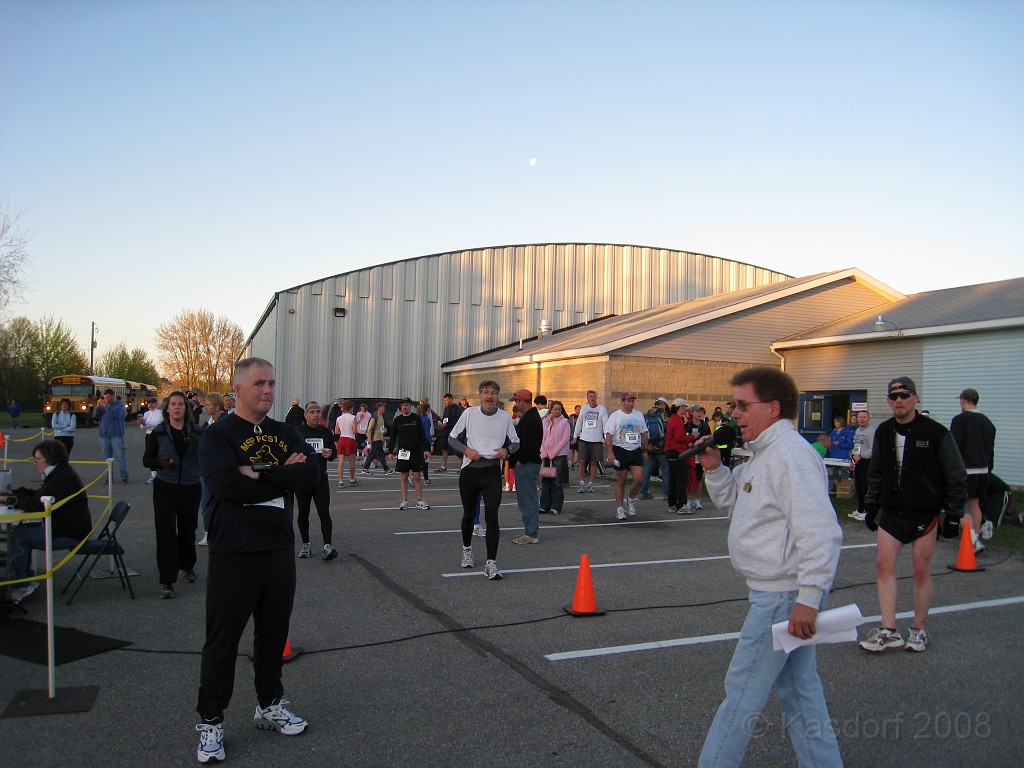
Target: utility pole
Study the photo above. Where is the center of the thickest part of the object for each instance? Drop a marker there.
(92, 349)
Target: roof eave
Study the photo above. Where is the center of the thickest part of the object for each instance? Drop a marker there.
(934, 330)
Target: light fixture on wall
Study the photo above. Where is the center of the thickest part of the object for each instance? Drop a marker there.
(339, 312)
(880, 324)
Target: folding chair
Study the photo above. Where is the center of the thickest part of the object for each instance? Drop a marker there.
(105, 543)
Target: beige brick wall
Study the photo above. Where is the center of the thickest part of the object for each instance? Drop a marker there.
(701, 381)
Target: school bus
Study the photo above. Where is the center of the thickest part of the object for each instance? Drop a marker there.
(84, 391)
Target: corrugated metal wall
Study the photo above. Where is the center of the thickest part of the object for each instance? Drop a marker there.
(993, 363)
(405, 318)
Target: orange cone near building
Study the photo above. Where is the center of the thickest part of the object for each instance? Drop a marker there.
(965, 560)
(584, 603)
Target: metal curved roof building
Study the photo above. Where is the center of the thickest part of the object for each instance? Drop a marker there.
(385, 330)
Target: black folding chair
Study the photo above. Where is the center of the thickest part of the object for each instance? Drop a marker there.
(105, 543)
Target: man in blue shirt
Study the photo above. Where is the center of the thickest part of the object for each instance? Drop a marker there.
(110, 414)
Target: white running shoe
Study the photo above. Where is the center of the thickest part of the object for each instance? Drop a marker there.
(917, 641)
(211, 742)
(697, 504)
(880, 639)
(479, 530)
(304, 551)
(277, 718)
(620, 513)
(491, 570)
(467, 557)
(421, 504)
(630, 507)
(986, 530)
(203, 542)
(404, 505)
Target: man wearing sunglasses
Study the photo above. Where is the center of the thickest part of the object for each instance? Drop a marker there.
(784, 539)
(916, 472)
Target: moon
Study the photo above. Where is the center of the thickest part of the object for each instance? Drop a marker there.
(533, 161)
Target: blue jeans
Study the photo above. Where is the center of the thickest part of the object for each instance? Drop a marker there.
(23, 540)
(526, 496)
(113, 448)
(754, 669)
(652, 459)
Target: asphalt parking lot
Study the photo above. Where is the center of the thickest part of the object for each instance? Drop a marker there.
(408, 660)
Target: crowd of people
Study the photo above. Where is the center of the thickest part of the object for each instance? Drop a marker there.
(247, 474)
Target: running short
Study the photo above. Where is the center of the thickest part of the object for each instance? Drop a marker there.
(907, 528)
(413, 464)
(589, 452)
(976, 485)
(346, 446)
(627, 458)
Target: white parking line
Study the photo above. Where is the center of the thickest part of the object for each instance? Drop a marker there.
(660, 644)
(612, 523)
(628, 564)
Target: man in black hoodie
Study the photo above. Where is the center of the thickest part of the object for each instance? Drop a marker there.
(916, 473)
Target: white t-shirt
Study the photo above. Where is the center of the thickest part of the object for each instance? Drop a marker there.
(345, 426)
(626, 428)
(485, 434)
(590, 424)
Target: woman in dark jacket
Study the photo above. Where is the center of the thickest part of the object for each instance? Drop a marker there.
(172, 450)
(71, 521)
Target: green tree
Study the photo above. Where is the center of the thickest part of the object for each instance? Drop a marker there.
(56, 350)
(19, 373)
(134, 365)
(196, 349)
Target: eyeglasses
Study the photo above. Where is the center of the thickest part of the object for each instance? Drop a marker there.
(900, 395)
(37, 459)
(741, 405)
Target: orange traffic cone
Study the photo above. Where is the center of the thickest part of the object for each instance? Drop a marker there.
(965, 560)
(583, 603)
(3, 440)
(290, 652)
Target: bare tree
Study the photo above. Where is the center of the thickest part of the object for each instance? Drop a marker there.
(13, 256)
(196, 349)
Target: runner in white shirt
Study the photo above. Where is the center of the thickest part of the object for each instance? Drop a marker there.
(589, 437)
(625, 440)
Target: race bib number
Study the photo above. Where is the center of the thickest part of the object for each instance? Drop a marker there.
(631, 436)
(403, 454)
(316, 443)
(590, 422)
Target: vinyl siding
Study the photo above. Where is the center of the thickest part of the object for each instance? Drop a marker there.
(992, 363)
(867, 366)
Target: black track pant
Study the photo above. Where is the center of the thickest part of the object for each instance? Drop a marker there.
(322, 498)
(472, 484)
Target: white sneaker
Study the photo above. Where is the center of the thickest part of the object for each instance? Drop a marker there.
(582, 488)
(421, 504)
(917, 641)
(354, 481)
(480, 531)
(330, 553)
(620, 513)
(404, 505)
(277, 718)
(202, 541)
(491, 570)
(630, 507)
(467, 557)
(505, 488)
(986, 530)
(211, 742)
(20, 593)
(880, 639)
(304, 551)
(590, 487)
(697, 504)
(858, 515)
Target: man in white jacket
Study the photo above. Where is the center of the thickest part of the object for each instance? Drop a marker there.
(784, 539)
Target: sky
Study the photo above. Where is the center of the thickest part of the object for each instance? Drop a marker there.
(191, 154)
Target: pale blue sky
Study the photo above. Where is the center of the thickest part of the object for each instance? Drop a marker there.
(205, 154)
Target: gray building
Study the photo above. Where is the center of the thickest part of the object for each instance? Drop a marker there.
(384, 331)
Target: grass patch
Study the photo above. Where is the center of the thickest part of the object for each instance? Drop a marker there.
(1005, 536)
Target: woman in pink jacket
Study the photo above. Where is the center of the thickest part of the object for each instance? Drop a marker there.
(554, 447)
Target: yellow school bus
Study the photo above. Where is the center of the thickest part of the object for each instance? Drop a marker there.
(84, 391)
